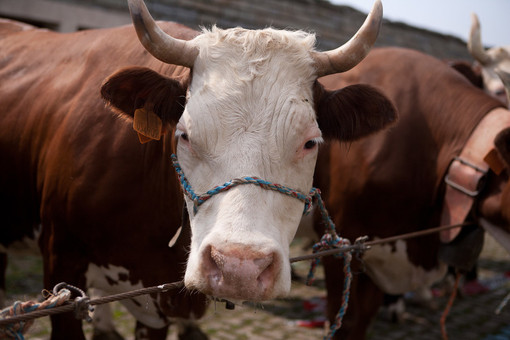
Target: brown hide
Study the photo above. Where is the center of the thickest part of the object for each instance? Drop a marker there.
(391, 183)
(71, 165)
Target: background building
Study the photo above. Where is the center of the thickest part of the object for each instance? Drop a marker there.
(333, 24)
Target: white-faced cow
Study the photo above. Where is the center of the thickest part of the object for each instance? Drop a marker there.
(236, 124)
(392, 183)
(234, 102)
(494, 62)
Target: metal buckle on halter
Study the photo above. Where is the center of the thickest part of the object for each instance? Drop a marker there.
(463, 189)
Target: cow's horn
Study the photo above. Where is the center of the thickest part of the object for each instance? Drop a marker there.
(352, 52)
(475, 46)
(161, 45)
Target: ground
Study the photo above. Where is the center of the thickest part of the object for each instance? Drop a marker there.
(471, 317)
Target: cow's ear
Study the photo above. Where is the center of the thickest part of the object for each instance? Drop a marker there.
(353, 112)
(473, 74)
(138, 87)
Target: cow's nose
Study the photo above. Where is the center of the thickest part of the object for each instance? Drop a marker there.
(239, 272)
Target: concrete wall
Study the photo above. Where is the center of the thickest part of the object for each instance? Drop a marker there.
(63, 17)
(334, 25)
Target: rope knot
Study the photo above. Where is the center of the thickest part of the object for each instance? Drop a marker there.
(15, 330)
(315, 192)
(328, 241)
(331, 240)
(82, 302)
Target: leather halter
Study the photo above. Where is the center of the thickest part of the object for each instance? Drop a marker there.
(466, 173)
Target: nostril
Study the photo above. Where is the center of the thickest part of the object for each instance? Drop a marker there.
(237, 271)
(263, 262)
(266, 269)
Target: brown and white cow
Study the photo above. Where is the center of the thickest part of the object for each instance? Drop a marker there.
(494, 62)
(103, 207)
(75, 181)
(391, 183)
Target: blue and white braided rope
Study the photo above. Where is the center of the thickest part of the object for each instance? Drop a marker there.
(198, 200)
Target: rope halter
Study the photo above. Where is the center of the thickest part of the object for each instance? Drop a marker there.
(198, 200)
(328, 241)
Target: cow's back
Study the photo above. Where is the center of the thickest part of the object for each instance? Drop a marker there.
(8, 27)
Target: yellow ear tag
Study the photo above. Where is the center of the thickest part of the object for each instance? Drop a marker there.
(494, 162)
(147, 124)
(143, 139)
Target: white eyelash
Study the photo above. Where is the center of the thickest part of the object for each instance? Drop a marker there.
(179, 133)
(318, 140)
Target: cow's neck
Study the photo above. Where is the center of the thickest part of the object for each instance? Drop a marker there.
(467, 171)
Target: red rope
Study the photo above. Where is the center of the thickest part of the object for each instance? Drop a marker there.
(448, 307)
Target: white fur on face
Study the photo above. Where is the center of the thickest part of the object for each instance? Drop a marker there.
(492, 83)
(249, 113)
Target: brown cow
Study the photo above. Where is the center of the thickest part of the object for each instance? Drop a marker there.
(102, 207)
(392, 183)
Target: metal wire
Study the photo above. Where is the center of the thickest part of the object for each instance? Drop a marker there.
(99, 301)
(366, 245)
(71, 306)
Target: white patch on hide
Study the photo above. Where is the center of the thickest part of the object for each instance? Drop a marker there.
(102, 317)
(144, 311)
(389, 267)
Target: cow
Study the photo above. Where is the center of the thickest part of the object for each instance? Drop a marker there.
(75, 185)
(494, 63)
(102, 206)
(392, 182)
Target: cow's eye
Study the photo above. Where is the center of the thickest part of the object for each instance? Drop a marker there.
(310, 144)
(500, 92)
(181, 135)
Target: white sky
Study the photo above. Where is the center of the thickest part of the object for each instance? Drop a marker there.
(447, 16)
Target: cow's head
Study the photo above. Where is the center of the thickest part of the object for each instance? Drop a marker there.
(495, 63)
(253, 108)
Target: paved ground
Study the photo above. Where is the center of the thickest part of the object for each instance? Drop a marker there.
(472, 317)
